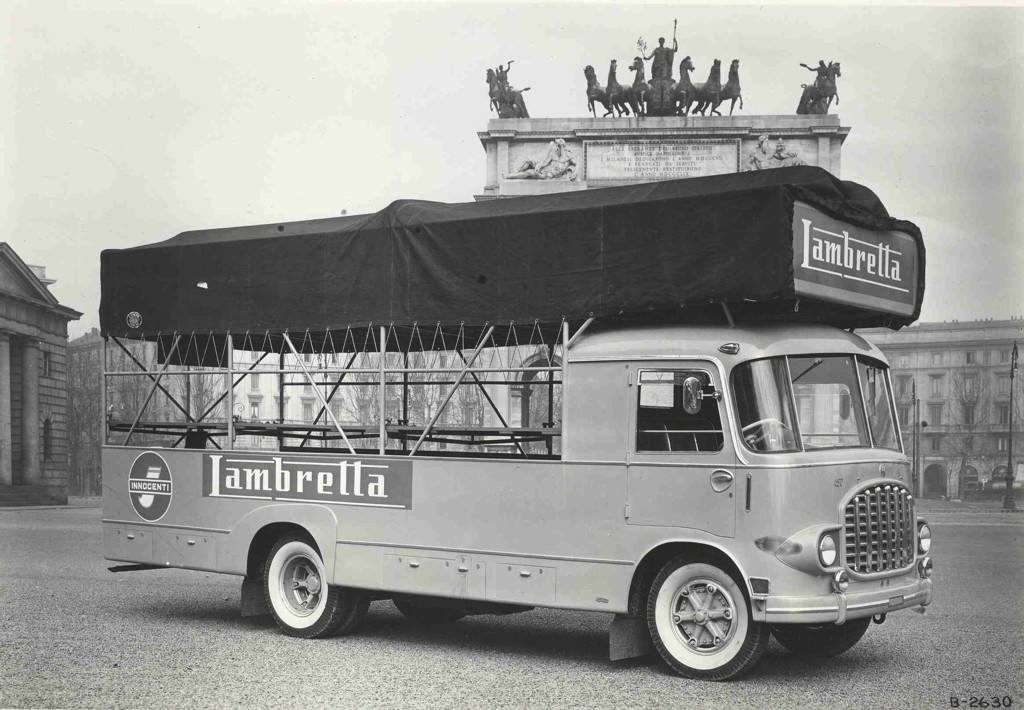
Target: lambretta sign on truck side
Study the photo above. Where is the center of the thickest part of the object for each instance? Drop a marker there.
(835, 261)
(309, 478)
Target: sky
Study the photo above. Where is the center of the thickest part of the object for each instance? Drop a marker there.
(125, 123)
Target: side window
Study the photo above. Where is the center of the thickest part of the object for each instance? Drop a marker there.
(662, 424)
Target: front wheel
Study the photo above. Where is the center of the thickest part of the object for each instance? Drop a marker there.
(700, 622)
(824, 640)
(301, 600)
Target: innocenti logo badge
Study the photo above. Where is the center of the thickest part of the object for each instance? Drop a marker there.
(149, 486)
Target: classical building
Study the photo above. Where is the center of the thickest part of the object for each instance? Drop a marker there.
(961, 370)
(33, 384)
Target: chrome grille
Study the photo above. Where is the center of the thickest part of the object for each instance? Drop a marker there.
(879, 529)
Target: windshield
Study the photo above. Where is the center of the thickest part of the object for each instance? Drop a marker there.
(813, 402)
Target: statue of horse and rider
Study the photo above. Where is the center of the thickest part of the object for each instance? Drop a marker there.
(506, 100)
(817, 97)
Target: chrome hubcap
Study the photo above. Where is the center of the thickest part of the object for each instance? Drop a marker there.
(301, 585)
(703, 615)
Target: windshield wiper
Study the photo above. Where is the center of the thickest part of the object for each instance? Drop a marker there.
(817, 361)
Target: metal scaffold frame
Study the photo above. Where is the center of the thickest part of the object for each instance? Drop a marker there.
(444, 362)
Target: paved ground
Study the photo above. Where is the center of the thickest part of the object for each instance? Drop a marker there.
(72, 634)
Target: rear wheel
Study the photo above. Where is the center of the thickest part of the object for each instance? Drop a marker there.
(301, 600)
(825, 640)
(700, 621)
(424, 612)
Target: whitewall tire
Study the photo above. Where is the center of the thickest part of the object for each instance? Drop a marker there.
(700, 621)
(302, 602)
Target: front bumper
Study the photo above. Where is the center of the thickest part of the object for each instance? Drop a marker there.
(857, 602)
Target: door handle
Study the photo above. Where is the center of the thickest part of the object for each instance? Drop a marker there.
(721, 480)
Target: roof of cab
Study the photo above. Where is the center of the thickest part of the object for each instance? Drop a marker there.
(678, 341)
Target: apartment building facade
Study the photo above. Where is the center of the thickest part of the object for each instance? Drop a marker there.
(960, 371)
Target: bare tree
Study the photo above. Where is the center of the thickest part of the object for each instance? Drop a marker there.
(969, 413)
(84, 416)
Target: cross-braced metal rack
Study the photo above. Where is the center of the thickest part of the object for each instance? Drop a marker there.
(380, 389)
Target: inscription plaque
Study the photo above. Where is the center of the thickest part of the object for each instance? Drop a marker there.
(660, 159)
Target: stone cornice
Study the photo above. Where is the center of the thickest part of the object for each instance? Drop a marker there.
(55, 308)
(674, 126)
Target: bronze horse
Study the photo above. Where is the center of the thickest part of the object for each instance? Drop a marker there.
(637, 93)
(617, 95)
(731, 90)
(596, 93)
(709, 94)
(815, 100)
(684, 89)
(698, 96)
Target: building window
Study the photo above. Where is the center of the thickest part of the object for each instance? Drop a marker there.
(901, 362)
(936, 358)
(1001, 443)
(904, 414)
(936, 386)
(254, 382)
(935, 414)
(47, 439)
(986, 356)
(1003, 384)
(970, 385)
(254, 410)
(968, 415)
(935, 443)
(1004, 356)
(1003, 413)
(307, 411)
(903, 386)
(970, 358)
(47, 364)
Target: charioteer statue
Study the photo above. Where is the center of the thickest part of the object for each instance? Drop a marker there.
(657, 98)
(661, 58)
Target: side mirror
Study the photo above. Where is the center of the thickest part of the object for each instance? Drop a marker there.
(693, 395)
(844, 405)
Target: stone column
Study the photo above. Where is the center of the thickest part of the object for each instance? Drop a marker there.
(31, 470)
(6, 469)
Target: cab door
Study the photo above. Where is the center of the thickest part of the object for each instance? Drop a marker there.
(681, 462)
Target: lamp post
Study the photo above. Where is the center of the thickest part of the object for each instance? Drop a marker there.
(1008, 500)
(917, 418)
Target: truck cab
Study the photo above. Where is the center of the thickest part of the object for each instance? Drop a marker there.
(784, 453)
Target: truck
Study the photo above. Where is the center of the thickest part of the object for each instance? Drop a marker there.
(649, 401)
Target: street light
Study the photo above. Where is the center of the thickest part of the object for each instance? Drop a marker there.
(915, 403)
(1008, 501)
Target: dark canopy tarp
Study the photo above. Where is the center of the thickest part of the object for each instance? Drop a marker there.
(657, 251)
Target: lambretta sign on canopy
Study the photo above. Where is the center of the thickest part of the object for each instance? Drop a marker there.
(836, 261)
(305, 478)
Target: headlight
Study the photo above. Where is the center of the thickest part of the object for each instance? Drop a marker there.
(924, 538)
(827, 550)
